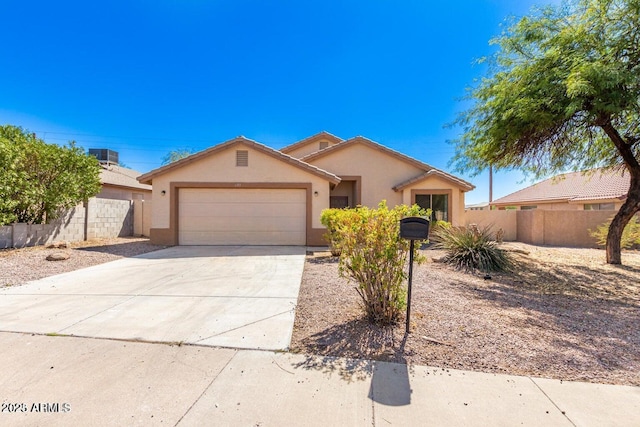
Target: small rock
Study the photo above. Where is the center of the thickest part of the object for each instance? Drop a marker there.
(58, 256)
(58, 245)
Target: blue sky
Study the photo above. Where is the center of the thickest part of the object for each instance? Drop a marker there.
(146, 77)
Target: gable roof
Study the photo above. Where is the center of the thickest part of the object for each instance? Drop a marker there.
(148, 177)
(121, 177)
(438, 173)
(429, 170)
(596, 184)
(313, 138)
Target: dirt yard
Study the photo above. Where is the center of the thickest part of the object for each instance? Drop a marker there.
(19, 266)
(563, 314)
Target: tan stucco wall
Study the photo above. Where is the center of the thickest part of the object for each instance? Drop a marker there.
(559, 207)
(561, 229)
(436, 183)
(543, 227)
(616, 204)
(531, 226)
(505, 220)
(142, 217)
(379, 171)
(555, 206)
(309, 148)
(565, 206)
(221, 167)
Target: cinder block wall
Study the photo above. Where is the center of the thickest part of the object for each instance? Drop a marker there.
(109, 218)
(100, 218)
(6, 236)
(68, 227)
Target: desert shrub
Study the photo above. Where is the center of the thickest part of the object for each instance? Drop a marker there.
(471, 248)
(630, 235)
(374, 256)
(330, 218)
(438, 225)
(441, 224)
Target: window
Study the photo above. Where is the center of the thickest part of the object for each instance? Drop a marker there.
(528, 207)
(438, 203)
(324, 144)
(242, 158)
(599, 207)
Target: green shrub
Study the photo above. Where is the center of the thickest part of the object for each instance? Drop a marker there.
(330, 218)
(630, 235)
(374, 256)
(471, 249)
(442, 224)
(438, 225)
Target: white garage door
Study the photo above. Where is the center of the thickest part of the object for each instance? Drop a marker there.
(242, 216)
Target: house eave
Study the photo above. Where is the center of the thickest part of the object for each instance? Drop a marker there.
(148, 177)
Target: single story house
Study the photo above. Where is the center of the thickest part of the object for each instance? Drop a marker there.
(598, 189)
(118, 182)
(121, 183)
(242, 192)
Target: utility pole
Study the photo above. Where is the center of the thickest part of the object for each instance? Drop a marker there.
(490, 185)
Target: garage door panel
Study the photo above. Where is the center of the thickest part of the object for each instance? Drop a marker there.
(234, 224)
(259, 195)
(247, 209)
(212, 216)
(242, 237)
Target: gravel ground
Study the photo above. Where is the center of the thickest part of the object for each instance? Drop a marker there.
(19, 266)
(563, 314)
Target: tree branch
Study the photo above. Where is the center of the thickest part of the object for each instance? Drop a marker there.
(623, 148)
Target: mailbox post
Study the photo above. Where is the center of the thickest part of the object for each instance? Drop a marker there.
(413, 228)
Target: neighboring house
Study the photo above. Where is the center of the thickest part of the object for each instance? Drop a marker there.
(484, 206)
(243, 192)
(118, 182)
(122, 184)
(590, 190)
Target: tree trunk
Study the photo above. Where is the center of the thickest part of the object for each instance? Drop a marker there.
(622, 218)
(632, 204)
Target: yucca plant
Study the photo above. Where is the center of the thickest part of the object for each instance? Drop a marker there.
(471, 248)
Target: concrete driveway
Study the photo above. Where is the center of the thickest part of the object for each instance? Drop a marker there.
(228, 296)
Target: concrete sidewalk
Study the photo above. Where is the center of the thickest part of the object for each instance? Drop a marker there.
(82, 381)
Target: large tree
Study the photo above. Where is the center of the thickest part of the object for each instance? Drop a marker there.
(562, 92)
(38, 181)
(175, 155)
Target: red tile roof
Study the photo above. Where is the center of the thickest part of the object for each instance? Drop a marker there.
(597, 184)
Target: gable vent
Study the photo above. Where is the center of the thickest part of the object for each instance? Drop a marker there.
(324, 144)
(242, 158)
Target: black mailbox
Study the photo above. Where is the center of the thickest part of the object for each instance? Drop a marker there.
(414, 228)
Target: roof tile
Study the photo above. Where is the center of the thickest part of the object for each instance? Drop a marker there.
(597, 184)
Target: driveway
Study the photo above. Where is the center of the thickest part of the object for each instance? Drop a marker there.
(227, 296)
